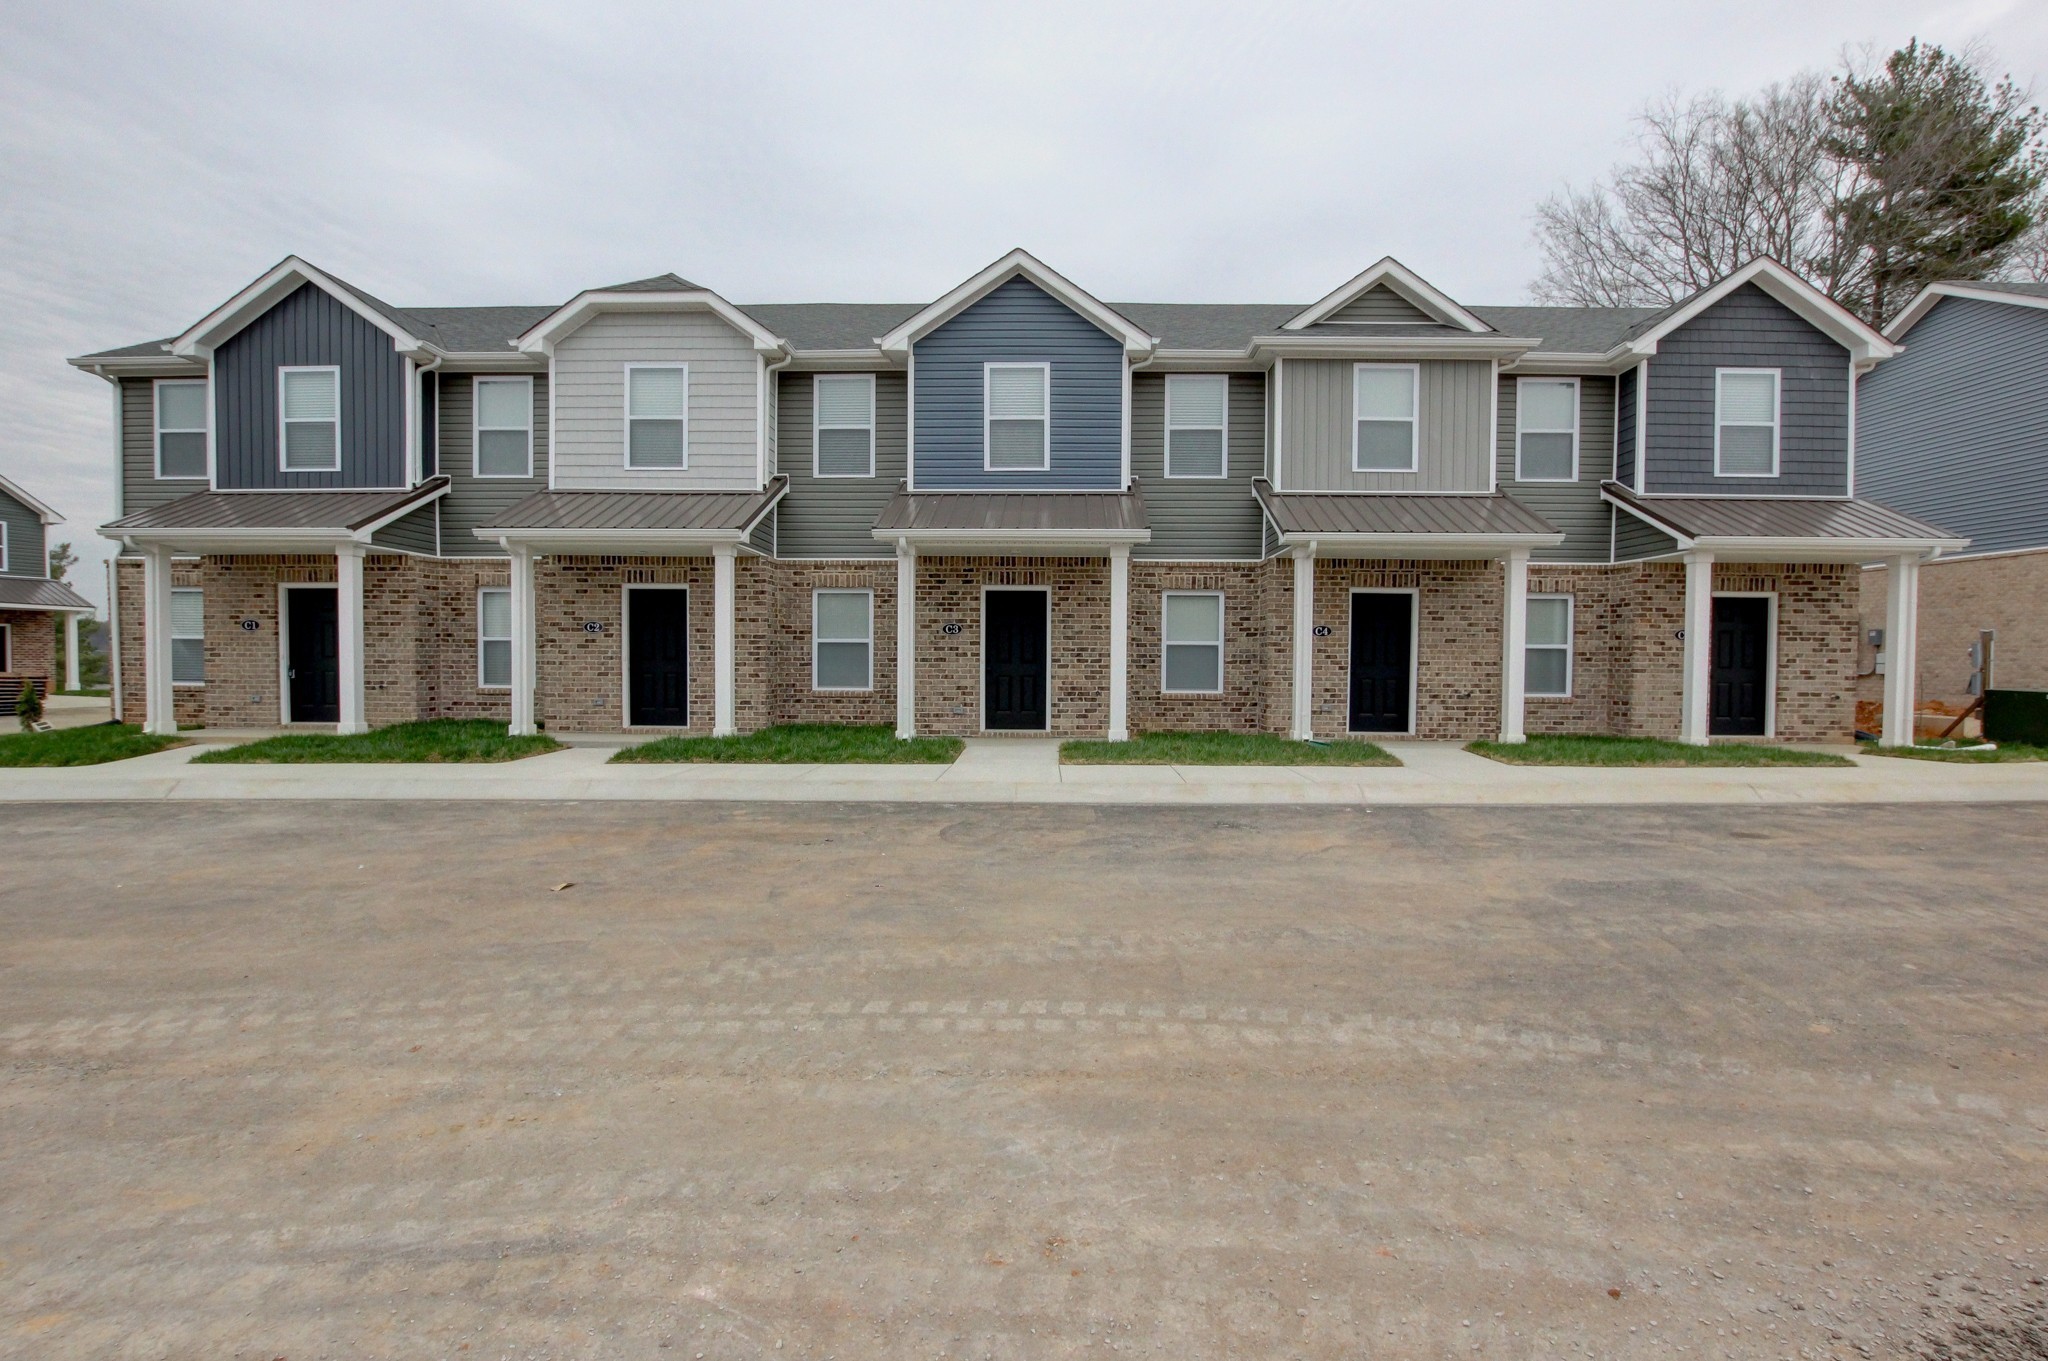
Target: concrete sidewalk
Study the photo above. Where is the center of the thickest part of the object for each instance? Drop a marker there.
(1014, 770)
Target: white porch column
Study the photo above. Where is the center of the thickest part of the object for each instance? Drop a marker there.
(1119, 644)
(1514, 632)
(906, 641)
(348, 579)
(156, 642)
(1699, 648)
(1303, 726)
(523, 669)
(722, 563)
(1901, 650)
(71, 650)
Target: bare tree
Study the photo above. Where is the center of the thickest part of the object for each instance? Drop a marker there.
(2028, 262)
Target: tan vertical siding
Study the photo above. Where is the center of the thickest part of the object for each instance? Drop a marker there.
(1453, 436)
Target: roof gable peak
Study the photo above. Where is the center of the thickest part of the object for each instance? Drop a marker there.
(1018, 264)
(1399, 280)
(277, 283)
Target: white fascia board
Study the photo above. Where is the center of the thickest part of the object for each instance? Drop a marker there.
(165, 365)
(842, 361)
(1049, 541)
(1934, 293)
(1018, 263)
(1503, 348)
(1865, 345)
(1403, 281)
(259, 297)
(1323, 544)
(493, 361)
(1683, 539)
(43, 512)
(1744, 549)
(604, 541)
(202, 541)
(541, 337)
(1201, 361)
(48, 609)
(1561, 364)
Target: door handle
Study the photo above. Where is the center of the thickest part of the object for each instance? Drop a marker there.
(291, 675)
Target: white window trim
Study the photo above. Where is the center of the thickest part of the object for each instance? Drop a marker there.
(1222, 631)
(1223, 430)
(171, 628)
(1571, 624)
(157, 419)
(1414, 417)
(282, 370)
(3, 546)
(1521, 429)
(817, 639)
(482, 637)
(1777, 421)
(1044, 368)
(477, 427)
(626, 424)
(817, 424)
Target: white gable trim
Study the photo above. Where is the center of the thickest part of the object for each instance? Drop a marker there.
(1401, 280)
(1934, 293)
(265, 293)
(1865, 345)
(1017, 264)
(43, 512)
(541, 337)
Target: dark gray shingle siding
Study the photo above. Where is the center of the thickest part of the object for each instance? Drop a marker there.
(472, 501)
(1199, 517)
(412, 533)
(26, 546)
(1625, 427)
(1634, 539)
(832, 517)
(1574, 507)
(1955, 430)
(1749, 329)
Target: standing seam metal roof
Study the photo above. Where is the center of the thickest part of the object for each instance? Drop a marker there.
(282, 510)
(652, 511)
(1380, 513)
(1049, 512)
(1775, 517)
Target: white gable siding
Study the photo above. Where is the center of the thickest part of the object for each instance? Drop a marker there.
(590, 395)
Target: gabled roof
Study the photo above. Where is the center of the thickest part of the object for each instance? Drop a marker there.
(662, 293)
(272, 287)
(1982, 290)
(1404, 282)
(1137, 342)
(43, 512)
(1865, 345)
(657, 283)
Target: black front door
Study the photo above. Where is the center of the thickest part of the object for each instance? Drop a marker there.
(313, 668)
(1742, 659)
(1382, 627)
(1013, 659)
(659, 659)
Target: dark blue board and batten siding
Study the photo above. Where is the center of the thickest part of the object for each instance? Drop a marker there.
(309, 327)
(1019, 322)
(1749, 329)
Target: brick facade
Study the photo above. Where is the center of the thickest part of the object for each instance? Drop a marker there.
(31, 646)
(1258, 614)
(1959, 597)
(949, 665)
(1458, 643)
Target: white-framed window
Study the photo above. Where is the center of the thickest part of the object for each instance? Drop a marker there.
(6, 647)
(188, 637)
(502, 428)
(1383, 402)
(842, 640)
(843, 425)
(309, 418)
(494, 638)
(1547, 647)
(3, 546)
(1191, 642)
(1016, 417)
(181, 428)
(1547, 430)
(1746, 422)
(1197, 419)
(657, 415)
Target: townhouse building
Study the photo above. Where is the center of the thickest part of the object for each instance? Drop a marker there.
(1014, 508)
(32, 605)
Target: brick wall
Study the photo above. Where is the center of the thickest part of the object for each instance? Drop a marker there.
(1817, 638)
(1252, 637)
(31, 646)
(949, 667)
(1457, 689)
(1958, 598)
(788, 637)
(580, 674)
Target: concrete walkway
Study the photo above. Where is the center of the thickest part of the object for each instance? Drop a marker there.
(1014, 770)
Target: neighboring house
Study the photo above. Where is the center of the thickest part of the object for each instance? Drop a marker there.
(31, 604)
(1016, 508)
(1956, 430)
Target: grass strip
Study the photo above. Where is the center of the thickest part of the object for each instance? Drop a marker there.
(1592, 750)
(89, 746)
(432, 741)
(1223, 749)
(800, 744)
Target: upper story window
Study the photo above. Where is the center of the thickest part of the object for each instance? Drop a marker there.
(309, 409)
(1547, 430)
(657, 416)
(1197, 411)
(1016, 400)
(1383, 417)
(181, 428)
(1745, 422)
(504, 427)
(843, 425)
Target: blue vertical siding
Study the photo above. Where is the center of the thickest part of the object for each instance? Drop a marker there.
(1019, 322)
(309, 327)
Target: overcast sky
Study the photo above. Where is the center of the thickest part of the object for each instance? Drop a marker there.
(155, 158)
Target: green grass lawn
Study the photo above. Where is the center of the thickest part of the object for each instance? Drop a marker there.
(802, 744)
(435, 740)
(1645, 751)
(2005, 751)
(92, 746)
(1222, 749)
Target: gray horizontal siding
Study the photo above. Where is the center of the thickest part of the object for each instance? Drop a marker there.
(414, 533)
(27, 552)
(471, 500)
(832, 517)
(1380, 303)
(1019, 322)
(1200, 517)
(309, 327)
(1634, 539)
(140, 488)
(1955, 430)
(1625, 428)
(1749, 329)
(1574, 507)
(1454, 437)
